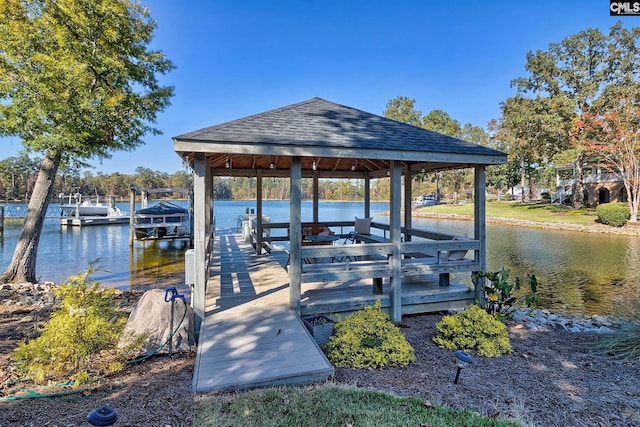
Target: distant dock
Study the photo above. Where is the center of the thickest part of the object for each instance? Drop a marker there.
(93, 220)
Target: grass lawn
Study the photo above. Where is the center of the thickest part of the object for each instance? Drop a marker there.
(518, 210)
(330, 406)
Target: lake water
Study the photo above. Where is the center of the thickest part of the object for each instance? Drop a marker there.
(578, 272)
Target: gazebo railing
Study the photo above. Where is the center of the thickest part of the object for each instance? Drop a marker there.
(428, 253)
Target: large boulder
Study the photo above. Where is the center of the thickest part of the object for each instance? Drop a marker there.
(152, 316)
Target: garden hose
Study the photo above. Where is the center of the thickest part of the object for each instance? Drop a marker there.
(170, 295)
(37, 395)
(174, 294)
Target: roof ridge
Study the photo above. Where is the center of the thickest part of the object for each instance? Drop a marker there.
(250, 117)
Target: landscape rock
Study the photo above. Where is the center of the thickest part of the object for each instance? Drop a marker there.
(28, 294)
(152, 316)
(544, 320)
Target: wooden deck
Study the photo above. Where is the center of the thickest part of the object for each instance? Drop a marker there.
(251, 338)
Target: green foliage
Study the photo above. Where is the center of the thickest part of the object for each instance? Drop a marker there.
(80, 78)
(473, 329)
(79, 340)
(330, 406)
(624, 342)
(499, 293)
(613, 214)
(368, 338)
(546, 197)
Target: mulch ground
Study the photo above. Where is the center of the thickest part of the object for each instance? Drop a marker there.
(550, 379)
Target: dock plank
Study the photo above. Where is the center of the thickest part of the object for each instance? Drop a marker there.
(250, 337)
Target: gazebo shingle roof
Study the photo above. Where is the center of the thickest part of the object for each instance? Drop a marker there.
(315, 125)
(318, 122)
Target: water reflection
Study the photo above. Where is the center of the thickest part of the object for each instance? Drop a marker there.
(577, 272)
(157, 264)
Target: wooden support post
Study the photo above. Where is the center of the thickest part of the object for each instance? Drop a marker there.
(444, 279)
(377, 285)
(132, 207)
(479, 225)
(315, 197)
(367, 195)
(198, 299)
(395, 287)
(295, 242)
(258, 211)
(259, 229)
(408, 181)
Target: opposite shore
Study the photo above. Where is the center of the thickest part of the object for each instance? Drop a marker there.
(627, 229)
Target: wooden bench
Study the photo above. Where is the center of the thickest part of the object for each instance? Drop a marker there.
(372, 238)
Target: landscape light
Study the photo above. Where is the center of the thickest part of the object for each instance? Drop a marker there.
(227, 164)
(272, 166)
(463, 359)
(314, 165)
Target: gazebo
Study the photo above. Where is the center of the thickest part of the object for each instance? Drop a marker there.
(321, 139)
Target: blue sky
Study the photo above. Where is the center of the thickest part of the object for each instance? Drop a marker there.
(235, 58)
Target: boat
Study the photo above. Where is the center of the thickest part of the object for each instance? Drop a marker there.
(78, 205)
(164, 220)
(424, 200)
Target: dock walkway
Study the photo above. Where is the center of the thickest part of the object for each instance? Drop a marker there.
(250, 337)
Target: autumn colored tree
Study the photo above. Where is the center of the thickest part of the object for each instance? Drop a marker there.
(77, 81)
(569, 76)
(611, 130)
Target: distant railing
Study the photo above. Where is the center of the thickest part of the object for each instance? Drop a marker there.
(21, 211)
(591, 179)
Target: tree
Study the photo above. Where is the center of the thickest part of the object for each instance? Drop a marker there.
(402, 110)
(611, 130)
(533, 130)
(77, 80)
(16, 175)
(574, 73)
(441, 122)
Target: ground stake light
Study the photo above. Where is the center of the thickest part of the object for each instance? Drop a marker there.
(463, 359)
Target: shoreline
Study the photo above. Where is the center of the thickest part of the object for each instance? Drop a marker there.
(563, 226)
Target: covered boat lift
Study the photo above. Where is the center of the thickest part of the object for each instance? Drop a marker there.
(321, 139)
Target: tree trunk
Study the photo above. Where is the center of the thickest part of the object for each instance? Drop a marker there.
(633, 199)
(23, 264)
(523, 179)
(577, 198)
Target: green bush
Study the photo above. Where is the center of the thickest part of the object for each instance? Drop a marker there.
(368, 338)
(545, 197)
(76, 341)
(613, 214)
(473, 329)
(624, 342)
(499, 293)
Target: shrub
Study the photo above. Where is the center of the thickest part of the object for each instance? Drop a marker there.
(499, 295)
(613, 214)
(473, 329)
(624, 342)
(545, 197)
(76, 340)
(368, 338)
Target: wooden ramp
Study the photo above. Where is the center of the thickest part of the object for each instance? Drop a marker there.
(250, 337)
